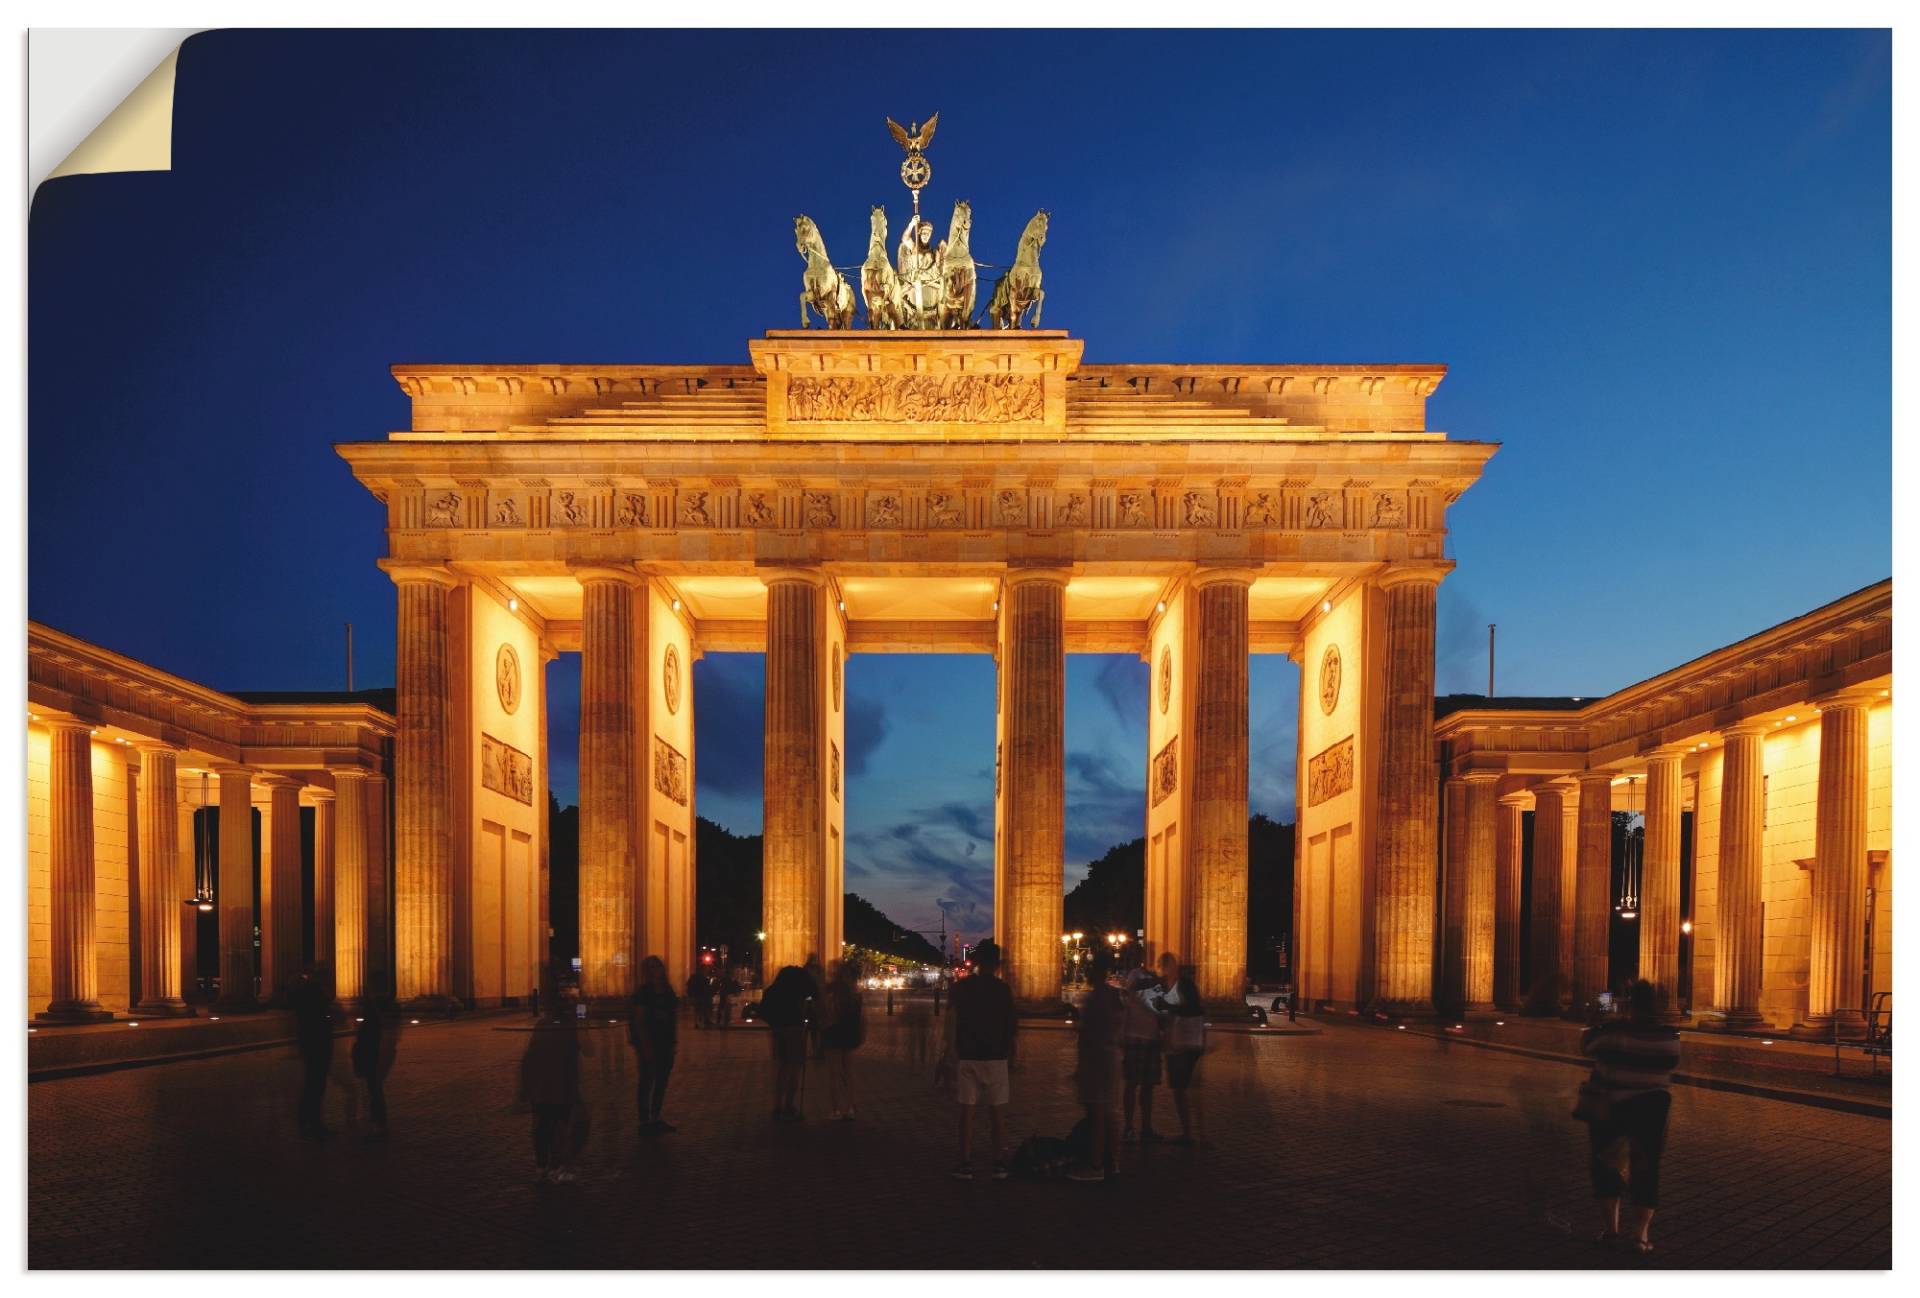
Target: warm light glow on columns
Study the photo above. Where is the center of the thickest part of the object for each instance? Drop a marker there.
(280, 944)
(1404, 853)
(1033, 772)
(1835, 999)
(1660, 881)
(351, 860)
(1509, 867)
(75, 979)
(1218, 808)
(1545, 976)
(161, 887)
(325, 846)
(1452, 973)
(613, 656)
(1739, 940)
(379, 908)
(423, 868)
(1592, 890)
(794, 867)
(234, 888)
(1478, 921)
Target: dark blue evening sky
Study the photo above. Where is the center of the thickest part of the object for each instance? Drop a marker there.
(1658, 265)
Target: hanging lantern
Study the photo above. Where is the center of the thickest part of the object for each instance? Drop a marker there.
(202, 899)
(1631, 859)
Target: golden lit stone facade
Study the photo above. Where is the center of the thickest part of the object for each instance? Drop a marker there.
(888, 492)
(120, 759)
(1777, 751)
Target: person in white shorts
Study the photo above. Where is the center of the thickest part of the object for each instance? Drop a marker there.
(980, 1023)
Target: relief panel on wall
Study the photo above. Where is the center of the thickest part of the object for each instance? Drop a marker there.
(1330, 772)
(506, 770)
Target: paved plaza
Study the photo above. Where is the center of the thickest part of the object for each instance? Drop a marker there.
(1356, 1147)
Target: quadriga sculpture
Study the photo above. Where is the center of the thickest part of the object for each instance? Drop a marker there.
(822, 288)
(1018, 287)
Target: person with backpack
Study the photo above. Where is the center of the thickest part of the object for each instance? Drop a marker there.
(375, 1041)
(653, 1030)
(1186, 1039)
(1140, 1054)
(1096, 1077)
(1625, 1103)
(785, 1006)
(550, 1086)
(844, 1031)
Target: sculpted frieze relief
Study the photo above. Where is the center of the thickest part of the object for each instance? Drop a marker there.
(444, 510)
(820, 509)
(506, 770)
(1199, 509)
(1389, 510)
(693, 510)
(1073, 510)
(944, 509)
(1262, 510)
(1323, 509)
(506, 513)
(573, 510)
(1133, 509)
(1166, 771)
(883, 509)
(756, 510)
(916, 398)
(633, 509)
(669, 771)
(1010, 507)
(1330, 772)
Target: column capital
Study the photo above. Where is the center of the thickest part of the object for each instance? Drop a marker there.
(340, 773)
(231, 768)
(276, 780)
(1224, 574)
(774, 574)
(403, 572)
(1668, 753)
(1596, 777)
(1751, 726)
(1431, 571)
(68, 724)
(157, 747)
(317, 793)
(1518, 801)
(1051, 574)
(1480, 777)
(625, 574)
(1853, 696)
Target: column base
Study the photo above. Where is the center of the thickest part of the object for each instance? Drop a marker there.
(1847, 1025)
(434, 1003)
(74, 1012)
(1731, 1021)
(171, 1007)
(1043, 1008)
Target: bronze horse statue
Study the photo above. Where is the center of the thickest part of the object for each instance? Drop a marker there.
(879, 282)
(959, 280)
(822, 287)
(1018, 287)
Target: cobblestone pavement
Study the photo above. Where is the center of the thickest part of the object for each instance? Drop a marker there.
(1355, 1148)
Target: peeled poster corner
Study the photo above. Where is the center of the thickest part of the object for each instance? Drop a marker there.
(98, 102)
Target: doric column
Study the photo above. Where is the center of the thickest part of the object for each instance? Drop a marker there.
(423, 879)
(379, 877)
(1660, 881)
(280, 939)
(794, 781)
(1738, 938)
(350, 946)
(325, 846)
(75, 994)
(1593, 888)
(1835, 999)
(233, 888)
(161, 889)
(1219, 806)
(1545, 976)
(1509, 869)
(1405, 861)
(612, 666)
(1478, 922)
(1034, 773)
(1452, 971)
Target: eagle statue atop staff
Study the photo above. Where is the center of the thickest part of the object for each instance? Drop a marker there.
(916, 171)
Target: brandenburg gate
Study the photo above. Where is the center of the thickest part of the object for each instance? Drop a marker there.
(900, 491)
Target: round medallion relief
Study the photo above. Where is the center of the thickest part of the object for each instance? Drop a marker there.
(836, 678)
(1330, 679)
(1166, 677)
(670, 678)
(506, 678)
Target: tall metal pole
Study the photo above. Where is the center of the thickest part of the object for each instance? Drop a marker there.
(1490, 659)
(349, 657)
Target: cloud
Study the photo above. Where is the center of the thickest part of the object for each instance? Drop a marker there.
(866, 728)
(1105, 805)
(729, 713)
(1122, 682)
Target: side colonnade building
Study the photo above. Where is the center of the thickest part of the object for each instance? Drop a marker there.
(138, 901)
(1759, 895)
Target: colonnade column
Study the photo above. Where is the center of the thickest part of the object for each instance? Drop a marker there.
(1660, 882)
(379, 963)
(350, 855)
(74, 993)
(1033, 770)
(281, 945)
(1835, 1000)
(1452, 965)
(1592, 890)
(1544, 974)
(612, 672)
(325, 847)
(1738, 937)
(1509, 867)
(1478, 921)
(1218, 809)
(161, 889)
(1405, 863)
(234, 889)
(423, 879)
(794, 784)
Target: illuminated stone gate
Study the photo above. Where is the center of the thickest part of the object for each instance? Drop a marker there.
(880, 492)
